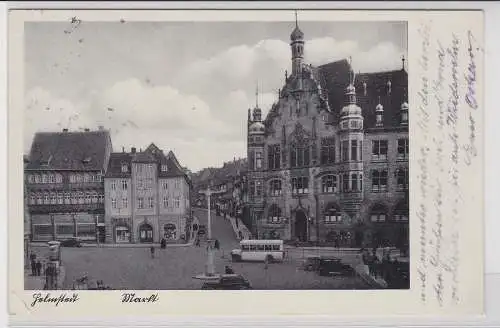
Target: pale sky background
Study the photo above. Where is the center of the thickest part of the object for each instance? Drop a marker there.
(185, 86)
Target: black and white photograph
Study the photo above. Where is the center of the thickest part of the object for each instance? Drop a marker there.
(216, 155)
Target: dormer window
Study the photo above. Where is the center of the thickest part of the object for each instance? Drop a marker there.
(46, 161)
(124, 168)
(164, 168)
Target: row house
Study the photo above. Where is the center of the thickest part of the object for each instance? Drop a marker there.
(64, 185)
(147, 197)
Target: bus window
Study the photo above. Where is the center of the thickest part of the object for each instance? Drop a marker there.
(253, 247)
(260, 247)
(245, 248)
(268, 247)
(276, 247)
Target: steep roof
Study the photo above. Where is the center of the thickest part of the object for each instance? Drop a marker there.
(334, 79)
(115, 165)
(82, 151)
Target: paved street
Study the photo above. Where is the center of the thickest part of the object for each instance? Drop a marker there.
(173, 268)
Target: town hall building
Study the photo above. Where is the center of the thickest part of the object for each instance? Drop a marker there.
(329, 163)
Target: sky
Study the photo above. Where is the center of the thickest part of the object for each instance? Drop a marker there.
(186, 86)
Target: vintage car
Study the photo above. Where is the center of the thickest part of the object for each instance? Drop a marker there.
(327, 266)
(71, 242)
(228, 282)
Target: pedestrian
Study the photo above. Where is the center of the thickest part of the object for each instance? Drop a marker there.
(217, 245)
(38, 268)
(240, 235)
(152, 249)
(197, 243)
(163, 243)
(33, 267)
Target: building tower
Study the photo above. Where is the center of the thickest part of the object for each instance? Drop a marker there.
(351, 150)
(297, 46)
(256, 134)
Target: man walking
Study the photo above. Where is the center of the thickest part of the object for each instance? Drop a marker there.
(152, 249)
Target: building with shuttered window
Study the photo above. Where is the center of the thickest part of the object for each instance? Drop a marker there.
(64, 185)
(329, 163)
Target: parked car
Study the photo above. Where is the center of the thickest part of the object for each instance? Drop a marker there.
(332, 266)
(228, 282)
(71, 242)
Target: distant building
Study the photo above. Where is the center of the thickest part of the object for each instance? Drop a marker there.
(147, 197)
(64, 184)
(329, 163)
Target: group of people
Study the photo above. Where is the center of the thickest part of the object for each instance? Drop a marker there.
(36, 265)
(379, 268)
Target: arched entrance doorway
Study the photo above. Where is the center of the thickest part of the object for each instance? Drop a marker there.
(145, 233)
(301, 225)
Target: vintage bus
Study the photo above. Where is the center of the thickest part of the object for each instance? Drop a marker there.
(259, 250)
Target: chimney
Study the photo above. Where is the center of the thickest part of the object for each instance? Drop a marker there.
(87, 130)
(65, 130)
(133, 150)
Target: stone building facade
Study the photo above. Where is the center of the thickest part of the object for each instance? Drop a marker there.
(64, 185)
(329, 163)
(147, 197)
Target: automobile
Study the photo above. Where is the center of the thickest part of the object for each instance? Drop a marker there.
(332, 266)
(228, 282)
(71, 242)
(311, 263)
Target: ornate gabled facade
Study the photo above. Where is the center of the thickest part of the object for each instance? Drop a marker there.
(329, 163)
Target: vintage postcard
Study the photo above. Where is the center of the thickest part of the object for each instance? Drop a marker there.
(245, 162)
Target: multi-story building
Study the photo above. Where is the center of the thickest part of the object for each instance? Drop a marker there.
(147, 197)
(329, 163)
(64, 185)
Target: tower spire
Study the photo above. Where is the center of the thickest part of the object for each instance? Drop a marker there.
(257, 94)
(296, 19)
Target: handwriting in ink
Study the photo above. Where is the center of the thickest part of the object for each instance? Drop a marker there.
(470, 76)
(454, 96)
(47, 298)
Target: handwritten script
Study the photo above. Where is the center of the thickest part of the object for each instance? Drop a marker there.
(39, 298)
(447, 105)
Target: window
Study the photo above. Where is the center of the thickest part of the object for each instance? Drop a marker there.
(274, 215)
(300, 185)
(274, 157)
(44, 178)
(39, 199)
(332, 214)
(402, 179)
(165, 201)
(275, 187)
(101, 198)
(299, 155)
(345, 182)
(32, 199)
(251, 188)
(53, 198)
(403, 148)
(328, 150)
(79, 178)
(94, 198)
(58, 178)
(360, 177)
(258, 188)
(258, 160)
(354, 182)
(329, 183)
(81, 198)
(113, 185)
(124, 168)
(140, 202)
(345, 150)
(354, 150)
(46, 199)
(125, 202)
(379, 180)
(86, 178)
(378, 214)
(37, 179)
(251, 162)
(124, 184)
(379, 150)
(165, 185)
(164, 168)
(52, 178)
(31, 178)
(150, 202)
(401, 212)
(88, 198)
(176, 184)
